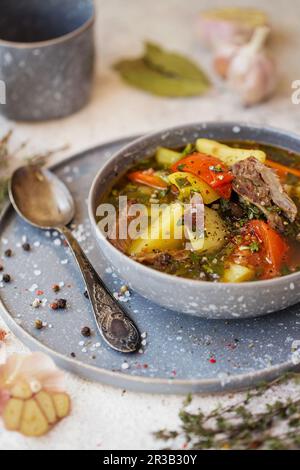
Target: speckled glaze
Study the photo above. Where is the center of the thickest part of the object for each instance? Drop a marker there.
(46, 57)
(203, 299)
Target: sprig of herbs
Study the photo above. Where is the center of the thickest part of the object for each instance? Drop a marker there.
(6, 153)
(240, 426)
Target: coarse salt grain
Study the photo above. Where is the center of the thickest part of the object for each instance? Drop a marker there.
(36, 303)
(33, 288)
(125, 365)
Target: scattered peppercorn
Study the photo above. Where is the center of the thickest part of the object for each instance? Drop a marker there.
(26, 247)
(73, 354)
(6, 278)
(86, 294)
(38, 324)
(124, 289)
(62, 303)
(8, 253)
(56, 288)
(86, 332)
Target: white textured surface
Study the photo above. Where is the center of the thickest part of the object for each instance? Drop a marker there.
(103, 417)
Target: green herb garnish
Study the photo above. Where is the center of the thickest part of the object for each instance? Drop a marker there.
(254, 247)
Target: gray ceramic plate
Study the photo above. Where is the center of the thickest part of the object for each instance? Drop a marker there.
(182, 353)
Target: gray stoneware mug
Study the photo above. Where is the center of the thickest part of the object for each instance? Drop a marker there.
(46, 57)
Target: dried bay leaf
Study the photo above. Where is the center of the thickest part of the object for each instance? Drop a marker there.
(173, 64)
(163, 73)
(138, 74)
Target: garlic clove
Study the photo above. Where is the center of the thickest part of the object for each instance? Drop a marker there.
(223, 58)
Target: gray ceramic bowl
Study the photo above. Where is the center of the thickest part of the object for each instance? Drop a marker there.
(46, 57)
(203, 299)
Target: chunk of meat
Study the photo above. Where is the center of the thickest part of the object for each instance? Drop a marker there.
(261, 186)
(118, 242)
(160, 259)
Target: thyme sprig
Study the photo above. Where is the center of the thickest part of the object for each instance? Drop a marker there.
(240, 426)
(6, 155)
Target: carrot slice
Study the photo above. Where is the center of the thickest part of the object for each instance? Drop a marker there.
(148, 179)
(282, 169)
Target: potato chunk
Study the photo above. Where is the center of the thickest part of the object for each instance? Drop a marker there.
(33, 422)
(226, 154)
(12, 414)
(46, 404)
(215, 231)
(62, 404)
(164, 233)
(237, 273)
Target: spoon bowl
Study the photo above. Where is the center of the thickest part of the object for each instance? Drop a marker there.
(41, 198)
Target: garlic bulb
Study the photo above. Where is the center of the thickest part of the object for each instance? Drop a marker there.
(252, 73)
(229, 25)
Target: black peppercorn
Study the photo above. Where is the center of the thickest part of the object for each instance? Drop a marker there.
(61, 303)
(26, 247)
(86, 332)
(73, 354)
(6, 278)
(86, 294)
(8, 253)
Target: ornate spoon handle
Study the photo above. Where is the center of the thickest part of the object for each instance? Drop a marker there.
(117, 329)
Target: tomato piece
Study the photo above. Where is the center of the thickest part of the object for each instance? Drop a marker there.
(274, 245)
(210, 169)
(148, 178)
(225, 191)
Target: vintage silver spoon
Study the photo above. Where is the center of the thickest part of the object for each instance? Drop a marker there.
(43, 201)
